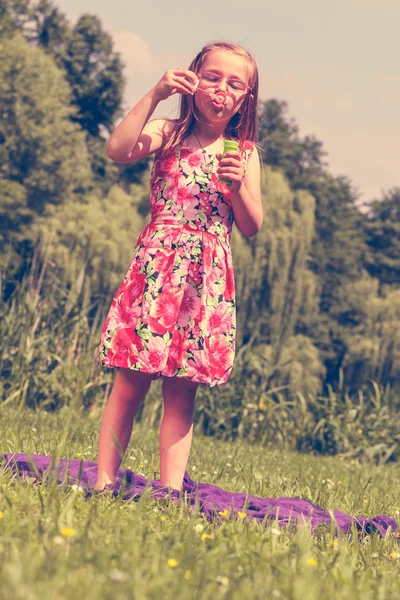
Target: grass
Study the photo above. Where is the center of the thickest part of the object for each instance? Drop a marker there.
(54, 544)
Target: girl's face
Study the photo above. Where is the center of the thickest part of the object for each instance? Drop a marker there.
(226, 72)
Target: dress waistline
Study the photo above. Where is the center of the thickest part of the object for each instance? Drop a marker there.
(163, 221)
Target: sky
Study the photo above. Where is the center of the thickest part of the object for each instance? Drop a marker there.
(335, 62)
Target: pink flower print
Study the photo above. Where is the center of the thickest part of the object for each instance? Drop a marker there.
(164, 165)
(218, 320)
(193, 164)
(155, 354)
(125, 342)
(193, 272)
(128, 315)
(204, 198)
(164, 261)
(177, 351)
(165, 308)
(229, 291)
(190, 305)
(183, 195)
(171, 182)
(223, 209)
(189, 211)
(198, 367)
(220, 355)
(134, 289)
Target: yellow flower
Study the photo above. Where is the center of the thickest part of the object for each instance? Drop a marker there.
(204, 536)
(359, 431)
(188, 574)
(162, 518)
(297, 431)
(241, 515)
(224, 513)
(68, 531)
(172, 562)
(365, 500)
(353, 462)
(397, 534)
(223, 580)
(340, 481)
(261, 404)
(1, 514)
(312, 562)
(394, 555)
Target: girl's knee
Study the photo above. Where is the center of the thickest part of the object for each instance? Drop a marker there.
(179, 389)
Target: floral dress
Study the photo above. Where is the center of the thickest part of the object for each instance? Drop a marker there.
(174, 314)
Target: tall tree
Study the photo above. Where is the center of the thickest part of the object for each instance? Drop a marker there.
(43, 154)
(92, 68)
(382, 232)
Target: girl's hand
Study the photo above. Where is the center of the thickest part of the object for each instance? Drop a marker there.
(231, 166)
(181, 81)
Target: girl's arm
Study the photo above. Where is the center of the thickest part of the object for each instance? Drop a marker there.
(135, 138)
(245, 193)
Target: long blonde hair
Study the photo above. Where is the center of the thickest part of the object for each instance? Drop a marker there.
(242, 126)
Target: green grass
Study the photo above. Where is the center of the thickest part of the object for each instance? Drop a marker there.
(152, 549)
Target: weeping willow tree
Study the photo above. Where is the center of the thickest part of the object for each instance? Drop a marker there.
(372, 333)
(274, 286)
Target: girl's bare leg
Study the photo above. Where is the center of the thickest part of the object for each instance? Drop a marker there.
(176, 430)
(129, 390)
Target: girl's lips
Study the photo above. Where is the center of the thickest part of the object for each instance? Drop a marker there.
(216, 103)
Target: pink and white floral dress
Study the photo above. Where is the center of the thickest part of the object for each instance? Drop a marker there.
(174, 314)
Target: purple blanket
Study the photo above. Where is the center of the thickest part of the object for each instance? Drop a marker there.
(207, 498)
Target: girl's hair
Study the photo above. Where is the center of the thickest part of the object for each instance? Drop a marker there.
(242, 126)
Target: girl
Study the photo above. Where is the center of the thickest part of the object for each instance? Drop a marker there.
(174, 315)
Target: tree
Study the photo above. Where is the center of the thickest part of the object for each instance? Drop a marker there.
(43, 154)
(382, 233)
(93, 70)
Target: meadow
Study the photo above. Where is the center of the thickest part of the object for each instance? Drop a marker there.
(56, 544)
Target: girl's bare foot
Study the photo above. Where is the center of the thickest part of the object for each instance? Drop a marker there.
(101, 483)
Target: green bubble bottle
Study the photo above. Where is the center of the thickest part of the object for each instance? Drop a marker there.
(229, 146)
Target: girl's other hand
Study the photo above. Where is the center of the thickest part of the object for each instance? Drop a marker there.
(231, 166)
(176, 81)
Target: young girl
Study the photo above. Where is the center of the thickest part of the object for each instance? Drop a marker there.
(174, 315)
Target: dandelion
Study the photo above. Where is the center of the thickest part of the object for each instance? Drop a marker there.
(162, 518)
(172, 562)
(394, 555)
(261, 404)
(241, 515)
(312, 562)
(365, 500)
(68, 531)
(340, 481)
(353, 462)
(359, 431)
(224, 513)
(205, 536)
(188, 574)
(1, 514)
(58, 540)
(77, 488)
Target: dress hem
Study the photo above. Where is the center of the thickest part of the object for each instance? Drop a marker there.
(160, 375)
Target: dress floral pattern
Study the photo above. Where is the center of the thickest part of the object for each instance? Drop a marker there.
(174, 314)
